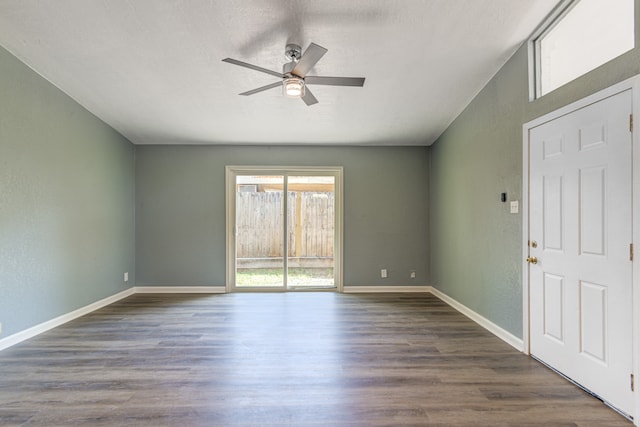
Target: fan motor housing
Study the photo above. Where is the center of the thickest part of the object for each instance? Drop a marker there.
(293, 52)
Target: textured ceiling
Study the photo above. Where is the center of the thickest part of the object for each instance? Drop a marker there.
(152, 69)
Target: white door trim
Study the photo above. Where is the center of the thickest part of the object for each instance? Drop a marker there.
(633, 84)
(230, 174)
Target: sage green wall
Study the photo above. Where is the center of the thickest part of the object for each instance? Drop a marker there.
(66, 202)
(476, 254)
(180, 210)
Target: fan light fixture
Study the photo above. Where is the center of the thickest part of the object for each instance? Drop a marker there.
(294, 87)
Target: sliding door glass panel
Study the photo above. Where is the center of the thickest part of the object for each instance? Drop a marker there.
(260, 226)
(310, 231)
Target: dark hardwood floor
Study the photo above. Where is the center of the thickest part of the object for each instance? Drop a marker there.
(290, 359)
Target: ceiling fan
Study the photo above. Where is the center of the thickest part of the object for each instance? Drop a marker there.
(294, 78)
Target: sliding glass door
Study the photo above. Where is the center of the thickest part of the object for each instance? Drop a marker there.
(284, 228)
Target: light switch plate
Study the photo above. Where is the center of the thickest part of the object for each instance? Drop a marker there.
(514, 206)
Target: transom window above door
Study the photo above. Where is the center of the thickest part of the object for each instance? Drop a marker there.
(580, 36)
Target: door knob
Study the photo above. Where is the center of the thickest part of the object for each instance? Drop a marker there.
(532, 260)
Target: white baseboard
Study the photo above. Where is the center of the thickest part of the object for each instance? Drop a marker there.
(179, 289)
(496, 330)
(18, 337)
(61, 320)
(385, 289)
(501, 333)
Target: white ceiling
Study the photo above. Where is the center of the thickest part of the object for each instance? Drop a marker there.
(152, 69)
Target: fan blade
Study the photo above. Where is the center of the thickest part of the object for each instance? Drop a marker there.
(261, 89)
(308, 97)
(253, 67)
(334, 81)
(308, 59)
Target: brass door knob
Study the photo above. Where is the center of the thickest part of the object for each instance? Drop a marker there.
(532, 260)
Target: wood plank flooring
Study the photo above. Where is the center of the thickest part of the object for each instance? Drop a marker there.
(286, 359)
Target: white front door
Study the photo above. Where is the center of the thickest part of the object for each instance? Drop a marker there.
(580, 230)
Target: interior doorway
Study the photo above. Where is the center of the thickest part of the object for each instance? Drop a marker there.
(284, 228)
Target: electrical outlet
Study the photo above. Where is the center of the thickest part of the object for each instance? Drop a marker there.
(383, 273)
(126, 276)
(413, 274)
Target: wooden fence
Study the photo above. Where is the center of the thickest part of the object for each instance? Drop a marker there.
(259, 222)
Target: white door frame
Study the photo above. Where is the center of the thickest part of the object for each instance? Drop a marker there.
(634, 85)
(230, 179)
